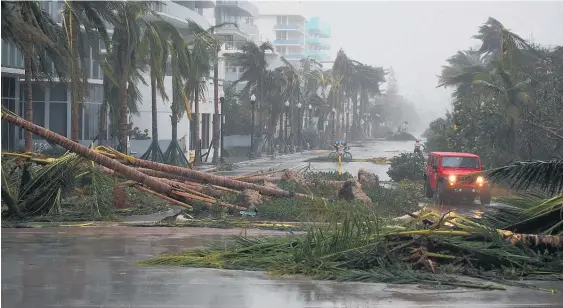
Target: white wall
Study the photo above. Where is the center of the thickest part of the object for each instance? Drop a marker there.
(266, 25)
(144, 119)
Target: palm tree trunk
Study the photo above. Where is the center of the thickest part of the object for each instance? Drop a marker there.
(197, 159)
(29, 102)
(154, 153)
(216, 120)
(174, 123)
(124, 127)
(74, 82)
(355, 115)
(126, 171)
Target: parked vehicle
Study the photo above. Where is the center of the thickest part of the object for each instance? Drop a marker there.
(448, 178)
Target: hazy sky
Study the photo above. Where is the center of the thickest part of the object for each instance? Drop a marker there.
(416, 38)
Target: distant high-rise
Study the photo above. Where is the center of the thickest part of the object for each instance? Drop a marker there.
(317, 45)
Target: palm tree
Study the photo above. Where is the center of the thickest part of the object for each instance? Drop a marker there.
(204, 50)
(122, 67)
(342, 70)
(93, 17)
(254, 64)
(154, 49)
(368, 80)
(31, 29)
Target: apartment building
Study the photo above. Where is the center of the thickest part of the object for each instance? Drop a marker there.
(51, 101)
(283, 24)
(317, 41)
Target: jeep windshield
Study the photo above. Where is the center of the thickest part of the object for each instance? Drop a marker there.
(460, 162)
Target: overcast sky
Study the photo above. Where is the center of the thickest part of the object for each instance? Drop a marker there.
(416, 38)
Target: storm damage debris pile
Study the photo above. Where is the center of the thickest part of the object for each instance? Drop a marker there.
(46, 181)
(431, 249)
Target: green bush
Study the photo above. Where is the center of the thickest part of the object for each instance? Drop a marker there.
(408, 166)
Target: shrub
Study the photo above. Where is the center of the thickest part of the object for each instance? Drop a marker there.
(408, 166)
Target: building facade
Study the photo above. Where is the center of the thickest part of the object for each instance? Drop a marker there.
(51, 101)
(317, 41)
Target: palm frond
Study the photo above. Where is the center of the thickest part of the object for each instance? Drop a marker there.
(547, 175)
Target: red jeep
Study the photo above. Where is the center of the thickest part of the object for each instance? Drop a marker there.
(446, 178)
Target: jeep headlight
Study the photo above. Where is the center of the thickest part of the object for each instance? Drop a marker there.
(452, 178)
(480, 180)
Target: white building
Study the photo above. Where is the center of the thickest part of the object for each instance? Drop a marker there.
(283, 23)
(51, 102)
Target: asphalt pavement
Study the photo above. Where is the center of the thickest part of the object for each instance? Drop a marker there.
(94, 267)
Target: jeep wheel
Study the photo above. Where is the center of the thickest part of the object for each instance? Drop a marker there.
(427, 190)
(439, 195)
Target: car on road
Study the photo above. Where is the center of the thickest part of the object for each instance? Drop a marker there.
(449, 177)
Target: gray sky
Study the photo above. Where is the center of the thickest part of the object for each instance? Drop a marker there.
(416, 38)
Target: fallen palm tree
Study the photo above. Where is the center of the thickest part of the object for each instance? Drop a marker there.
(109, 159)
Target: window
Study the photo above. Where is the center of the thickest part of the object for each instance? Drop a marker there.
(8, 130)
(205, 130)
(58, 118)
(5, 54)
(38, 94)
(460, 162)
(38, 115)
(8, 87)
(91, 117)
(95, 93)
(58, 93)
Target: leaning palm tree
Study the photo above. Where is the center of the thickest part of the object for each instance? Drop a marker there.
(342, 70)
(203, 57)
(42, 42)
(252, 59)
(93, 18)
(154, 49)
(123, 67)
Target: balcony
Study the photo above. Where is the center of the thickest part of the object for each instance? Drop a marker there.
(178, 14)
(315, 26)
(318, 42)
(290, 42)
(317, 55)
(244, 8)
(294, 57)
(290, 27)
(242, 31)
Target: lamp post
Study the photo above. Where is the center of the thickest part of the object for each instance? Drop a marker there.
(253, 103)
(222, 116)
(333, 124)
(299, 127)
(310, 116)
(285, 128)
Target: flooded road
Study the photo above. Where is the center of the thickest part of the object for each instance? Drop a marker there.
(94, 267)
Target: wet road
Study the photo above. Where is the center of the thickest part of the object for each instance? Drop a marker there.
(93, 267)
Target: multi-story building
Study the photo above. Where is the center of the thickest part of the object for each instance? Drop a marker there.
(317, 45)
(51, 101)
(283, 24)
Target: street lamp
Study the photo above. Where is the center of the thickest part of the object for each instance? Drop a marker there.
(299, 126)
(285, 128)
(253, 103)
(310, 116)
(222, 115)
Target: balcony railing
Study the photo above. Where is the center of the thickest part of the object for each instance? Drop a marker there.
(179, 13)
(289, 27)
(317, 55)
(288, 42)
(319, 42)
(245, 7)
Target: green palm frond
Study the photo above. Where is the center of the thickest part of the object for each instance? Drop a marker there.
(547, 175)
